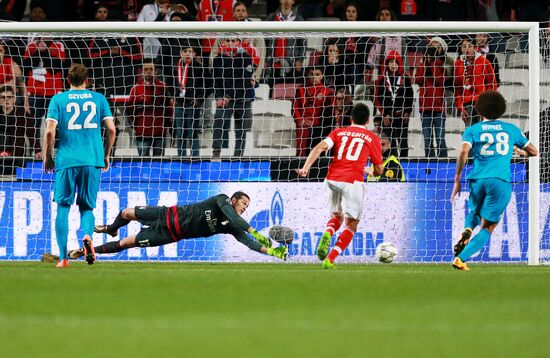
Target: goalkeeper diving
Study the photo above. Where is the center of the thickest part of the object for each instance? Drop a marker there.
(165, 225)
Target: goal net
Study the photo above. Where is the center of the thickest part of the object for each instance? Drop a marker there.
(239, 107)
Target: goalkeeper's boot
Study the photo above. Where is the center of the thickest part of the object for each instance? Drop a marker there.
(89, 252)
(464, 240)
(63, 263)
(104, 229)
(322, 248)
(76, 254)
(460, 265)
(328, 265)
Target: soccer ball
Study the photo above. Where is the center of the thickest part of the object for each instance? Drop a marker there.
(386, 252)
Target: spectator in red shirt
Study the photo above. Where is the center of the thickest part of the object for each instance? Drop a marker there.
(473, 75)
(12, 75)
(430, 76)
(310, 103)
(43, 67)
(150, 111)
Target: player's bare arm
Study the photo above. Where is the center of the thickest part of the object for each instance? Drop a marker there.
(378, 169)
(528, 151)
(321, 147)
(460, 163)
(49, 140)
(109, 141)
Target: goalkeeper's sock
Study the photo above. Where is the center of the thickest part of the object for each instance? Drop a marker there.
(108, 248)
(62, 229)
(118, 223)
(333, 225)
(475, 244)
(343, 241)
(87, 221)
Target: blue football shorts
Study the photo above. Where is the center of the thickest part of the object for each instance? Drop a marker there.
(82, 180)
(489, 198)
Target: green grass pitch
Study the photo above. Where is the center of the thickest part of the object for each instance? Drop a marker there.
(264, 310)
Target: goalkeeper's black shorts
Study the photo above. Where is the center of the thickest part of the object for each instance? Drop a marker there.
(156, 233)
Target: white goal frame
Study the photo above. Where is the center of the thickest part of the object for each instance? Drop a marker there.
(531, 28)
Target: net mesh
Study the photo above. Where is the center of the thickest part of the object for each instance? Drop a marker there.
(199, 114)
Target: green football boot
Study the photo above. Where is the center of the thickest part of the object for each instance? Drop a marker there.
(322, 248)
(328, 265)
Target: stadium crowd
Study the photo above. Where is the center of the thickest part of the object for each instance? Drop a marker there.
(173, 91)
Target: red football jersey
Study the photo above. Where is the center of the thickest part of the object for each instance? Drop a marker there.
(353, 146)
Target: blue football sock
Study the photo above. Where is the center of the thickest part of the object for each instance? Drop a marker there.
(475, 244)
(62, 229)
(472, 220)
(87, 222)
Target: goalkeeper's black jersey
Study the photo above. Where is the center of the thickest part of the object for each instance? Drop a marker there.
(212, 216)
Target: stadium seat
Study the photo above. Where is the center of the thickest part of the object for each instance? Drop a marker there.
(454, 125)
(520, 123)
(517, 60)
(315, 43)
(285, 90)
(454, 141)
(501, 58)
(514, 77)
(415, 124)
(272, 124)
(517, 109)
(416, 145)
(262, 91)
(544, 76)
(514, 93)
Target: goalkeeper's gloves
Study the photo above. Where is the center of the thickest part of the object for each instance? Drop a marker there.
(280, 252)
(264, 241)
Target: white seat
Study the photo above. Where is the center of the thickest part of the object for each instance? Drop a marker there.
(517, 76)
(272, 107)
(517, 60)
(520, 123)
(544, 76)
(514, 93)
(315, 43)
(501, 58)
(415, 124)
(517, 109)
(272, 123)
(262, 91)
(416, 145)
(454, 140)
(454, 125)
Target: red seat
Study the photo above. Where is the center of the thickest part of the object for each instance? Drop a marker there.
(285, 90)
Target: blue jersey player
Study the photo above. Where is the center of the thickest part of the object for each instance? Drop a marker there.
(78, 116)
(492, 143)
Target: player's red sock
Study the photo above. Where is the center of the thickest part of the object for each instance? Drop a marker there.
(333, 225)
(343, 241)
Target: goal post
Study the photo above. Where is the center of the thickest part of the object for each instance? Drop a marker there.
(171, 179)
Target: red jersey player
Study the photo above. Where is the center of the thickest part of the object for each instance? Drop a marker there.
(353, 146)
